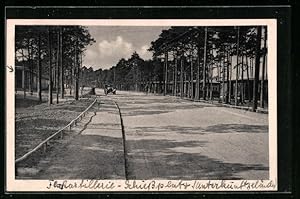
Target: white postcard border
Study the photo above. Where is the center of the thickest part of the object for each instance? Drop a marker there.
(13, 185)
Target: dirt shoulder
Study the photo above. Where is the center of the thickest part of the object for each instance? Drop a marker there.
(35, 121)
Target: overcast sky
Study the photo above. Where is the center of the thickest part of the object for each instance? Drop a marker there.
(116, 42)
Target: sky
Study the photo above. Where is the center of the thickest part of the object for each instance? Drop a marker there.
(116, 42)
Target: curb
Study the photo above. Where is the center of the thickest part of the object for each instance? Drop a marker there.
(258, 110)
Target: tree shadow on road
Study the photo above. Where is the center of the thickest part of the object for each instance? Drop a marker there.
(237, 128)
(150, 130)
(155, 109)
(139, 112)
(188, 130)
(168, 159)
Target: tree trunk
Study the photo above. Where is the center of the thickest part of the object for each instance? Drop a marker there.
(207, 82)
(219, 66)
(257, 63)
(175, 76)
(192, 79)
(166, 73)
(248, 80)
(23, 77)
(237, 67)
(262, 104)
(114, 70)
(242, 81)
(251, 75)
(181, 76)
(252, 64)
(50, 91)
(197, 94)
(230, 77)
(204, 63)
(71, 81)
(185, 90)
(76, 89)
(227, 78)
(29, 67)
(79, 70)
(62, 89)
(57, 67)
(54, 71)
(39, 82)
(223, 78)
(211, 83)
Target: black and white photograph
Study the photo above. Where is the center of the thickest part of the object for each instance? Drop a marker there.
(142, 105)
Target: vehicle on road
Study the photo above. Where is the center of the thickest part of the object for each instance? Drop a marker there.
(110, 89)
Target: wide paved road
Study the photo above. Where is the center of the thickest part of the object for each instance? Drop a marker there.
(166, 138)
(170, 138)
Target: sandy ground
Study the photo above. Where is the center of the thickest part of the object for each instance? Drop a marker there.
(166, 138)
(95, 152)
(35, 121)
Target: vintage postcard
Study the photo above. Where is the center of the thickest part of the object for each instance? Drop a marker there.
(141, 105)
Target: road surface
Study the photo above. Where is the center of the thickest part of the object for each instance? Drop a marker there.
(166, 138)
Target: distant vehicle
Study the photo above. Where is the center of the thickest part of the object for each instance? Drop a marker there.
(110, 89)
